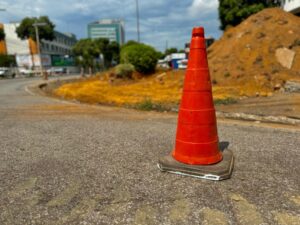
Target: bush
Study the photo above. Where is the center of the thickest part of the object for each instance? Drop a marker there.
(141, 56)
(225, 101)
(148, 105)
(7, 60)
(124, 70)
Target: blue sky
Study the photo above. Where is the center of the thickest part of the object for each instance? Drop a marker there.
(161, 21)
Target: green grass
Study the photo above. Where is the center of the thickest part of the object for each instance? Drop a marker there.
(148, 105)
(225, 101)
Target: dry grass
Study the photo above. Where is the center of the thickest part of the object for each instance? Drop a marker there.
(97, 90)
(165, 91)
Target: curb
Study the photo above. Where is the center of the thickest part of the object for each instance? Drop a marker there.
(251, 117)
(38, 89)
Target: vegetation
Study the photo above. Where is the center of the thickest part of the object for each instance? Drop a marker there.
(233, 12)
(88, 50)
(109, 50)
(124, 70)
(225, 101)
(26, 29)
(114, 48)
(85, 51)
(149, 93)
(148, 105)
(7, 60)
(170, 51)
(130, 42)
(142, 57)
(2, 34)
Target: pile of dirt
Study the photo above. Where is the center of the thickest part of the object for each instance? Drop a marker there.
(259, 54)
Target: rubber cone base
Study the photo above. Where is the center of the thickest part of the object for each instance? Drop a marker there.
(218, 171)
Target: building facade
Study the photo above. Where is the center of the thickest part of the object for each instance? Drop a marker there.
(111, 29)
(61, 45)
(53, 53)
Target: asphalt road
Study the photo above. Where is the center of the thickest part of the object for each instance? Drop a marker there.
(64, 163)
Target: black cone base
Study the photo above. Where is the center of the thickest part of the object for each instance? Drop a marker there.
(218, 171)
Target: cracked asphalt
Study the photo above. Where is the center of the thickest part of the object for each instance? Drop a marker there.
(65, 163)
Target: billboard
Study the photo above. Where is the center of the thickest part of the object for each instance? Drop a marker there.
(60, 60)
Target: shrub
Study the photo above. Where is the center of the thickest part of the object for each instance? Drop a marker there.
(141, 56)
(227, 74)
(124, 70)
(148, 105)
(7, 60)
(225, 101)
(145, 105)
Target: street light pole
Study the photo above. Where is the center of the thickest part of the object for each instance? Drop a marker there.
(36, 25)
(137, 20)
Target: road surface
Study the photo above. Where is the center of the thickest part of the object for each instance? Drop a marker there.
(65, 163)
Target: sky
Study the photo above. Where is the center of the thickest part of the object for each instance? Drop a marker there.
(162, 22)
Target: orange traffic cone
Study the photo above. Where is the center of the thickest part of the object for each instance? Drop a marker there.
(197, 150)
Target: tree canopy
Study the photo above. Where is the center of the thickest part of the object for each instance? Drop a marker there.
(170, 51)
(130, 42)
(109, 50)
(233, 12)
(142, 57)
(7, 60)
(2, 34)
(87, 50)
(26, 29)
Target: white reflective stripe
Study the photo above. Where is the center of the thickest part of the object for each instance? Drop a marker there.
(206, 176)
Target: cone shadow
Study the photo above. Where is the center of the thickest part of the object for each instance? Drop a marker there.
(223, 145)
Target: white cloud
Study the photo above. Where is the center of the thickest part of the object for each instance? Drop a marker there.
(160, 21)
(199, 7)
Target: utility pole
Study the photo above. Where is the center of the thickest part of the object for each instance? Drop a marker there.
(166, 45)
(137, 20)
(36, 25)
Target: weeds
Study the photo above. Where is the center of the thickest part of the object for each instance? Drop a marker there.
(148, 105)
(225, 101)
(227, 74)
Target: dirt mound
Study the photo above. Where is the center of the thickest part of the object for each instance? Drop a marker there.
(262, 52)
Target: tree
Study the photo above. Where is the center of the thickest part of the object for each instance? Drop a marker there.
(26, 29)
(170, 51)
(7, 60)
(233, 12)
(2, 34)
(109, 50)
(130, 42)
(115, 49)
(142, 57)
(160, 55)
(86, 51)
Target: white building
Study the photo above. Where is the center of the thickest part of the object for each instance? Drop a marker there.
(14, 44)
(292, 6)
(53, 53)
(112, 29)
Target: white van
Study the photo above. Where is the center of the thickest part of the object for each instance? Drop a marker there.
(7, 72)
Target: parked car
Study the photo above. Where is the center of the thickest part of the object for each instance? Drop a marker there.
(7, 72)
(25, 71)
(58, 70)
